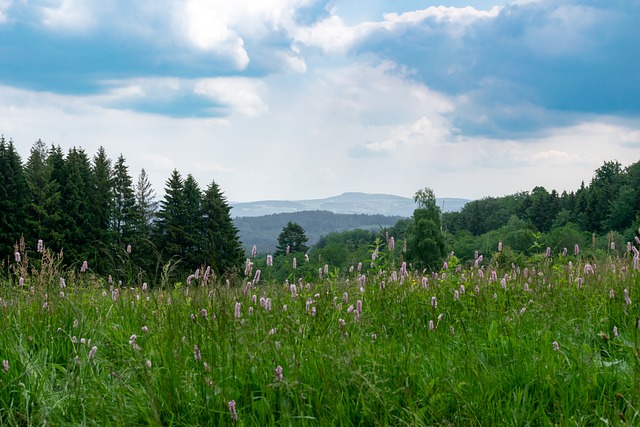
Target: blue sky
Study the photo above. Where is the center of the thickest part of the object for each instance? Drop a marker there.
(297, 99)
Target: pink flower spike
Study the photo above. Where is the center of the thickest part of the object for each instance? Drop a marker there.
(232, 409)
(556, 346)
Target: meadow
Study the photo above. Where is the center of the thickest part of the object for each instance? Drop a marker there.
(554, 342)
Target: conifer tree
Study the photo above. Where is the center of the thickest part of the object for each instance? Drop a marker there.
(38, 180)
(14, 197)
(222, 249)
(192, 223)
(169, 231)
(123, 217)
(292, 239)
(102, 194)
(146, 205)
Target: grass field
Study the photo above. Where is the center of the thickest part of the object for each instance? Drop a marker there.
(551, 344)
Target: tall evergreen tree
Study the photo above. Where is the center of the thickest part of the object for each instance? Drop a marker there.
(222, 247)
(146, 205)
(192, 223)
(14, 197)
(123, 217)
(102, 194)
(169, 234)
(292, 239)
(425, 245)
(38, 179)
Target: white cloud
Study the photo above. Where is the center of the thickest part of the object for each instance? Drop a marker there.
(72, 15)
(242, 94)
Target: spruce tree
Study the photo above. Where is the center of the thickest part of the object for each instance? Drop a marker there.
(146, 205)
(14, 198)
(222, 249)
(169, 234)
(292, 239)
(192, 223)
(123, 217)
(102, 194)
(38, 179)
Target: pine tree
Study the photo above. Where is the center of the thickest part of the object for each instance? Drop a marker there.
(192, 223)
(146, 205)
(102, 194)
(169, 232)
(222, 249)
(123, 217)
(292, 239)
(53, 233)
(14, 197)
(38, 175)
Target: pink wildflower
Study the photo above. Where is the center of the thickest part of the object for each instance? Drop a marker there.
(232, 409)
(556, 346)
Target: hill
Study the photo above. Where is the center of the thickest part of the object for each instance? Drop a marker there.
(263, 231)
(346, 203)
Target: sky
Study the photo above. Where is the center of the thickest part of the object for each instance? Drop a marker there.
(299, 99)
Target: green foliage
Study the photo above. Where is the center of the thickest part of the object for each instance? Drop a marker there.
(292, 239)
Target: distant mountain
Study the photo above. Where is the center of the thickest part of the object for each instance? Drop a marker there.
(263, 231)
(346, 203)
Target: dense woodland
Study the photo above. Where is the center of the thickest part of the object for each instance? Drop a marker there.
(91, 209)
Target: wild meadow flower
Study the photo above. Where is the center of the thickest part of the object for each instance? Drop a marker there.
(576, 250)
(254, 251)
(356, 316)
(615, 331)
(247, 267)
(345, 297)
(128, 249)
(359, 305)
(522, 310)
(250, 311)
(503, 282)
(269, 261)
(196, 353)
(445, 266)
(306, 257)
(148, 363)
(350, 309)
(295, 263)
(556, 346)
(635, 263)
(93, 351)
(392, 243)
(85, 267)
(456, 295)
(564, 251)
(237, 312)
(267, 304)
(5, 365)
(278, 373)
(499, 246)
(495, 296)
(434, 302)
(288, 250)
(342, 322)
(17, 256)
(21, 281)
(256, 278)
(359, 267)
(612, 294)
(431, 325)
(588, 269)
(548, 253)
(232, 409)
(40, 246)
(284, 307)
(627, 300)
(462, 290)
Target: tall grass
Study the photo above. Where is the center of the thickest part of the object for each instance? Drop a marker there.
(534, 347)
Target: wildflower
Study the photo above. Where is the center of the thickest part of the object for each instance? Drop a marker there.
(247, 267)
(434, 302)
(342, 322)
(144, 286)
(254, 251)
(556, 346)
(499, 246)
(456, 295)
(627, 300)
(451, 330)
(269, 261)
(350, 309)
(576, 250)
(256, 278)
(356, 316)
(278, 372)
(132, 339)
(277, 344)
(295, 263)
(588, 269)
(445, 266)
(359, 267)
(288, 250)
(232, 409)
(345, 297)
(495, 297)
(615, 331)
(612, 294)
(40, 247)
(196, 353)
(284, 307)
(267, 305)
(128, 249)
(21, 281)
(392, 244)
(564, 251)
(306, 257)
(17, 256)
(431, 325)
(522, 310)
(5, 365)
(148, 362)
(359, 305)
(548, 253)
(404, 246)
(237, 312)
(313, 311)
(374, 336)
(145, 329)
(206, 366)
(190, 278)
(93, 351)
(85, 267)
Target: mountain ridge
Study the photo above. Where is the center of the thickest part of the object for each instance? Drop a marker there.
(345, 203)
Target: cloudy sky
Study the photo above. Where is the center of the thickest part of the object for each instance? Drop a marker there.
(297, 99)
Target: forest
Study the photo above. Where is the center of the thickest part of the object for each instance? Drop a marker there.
(92, 209)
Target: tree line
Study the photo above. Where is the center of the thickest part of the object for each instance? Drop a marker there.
(90, 209)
